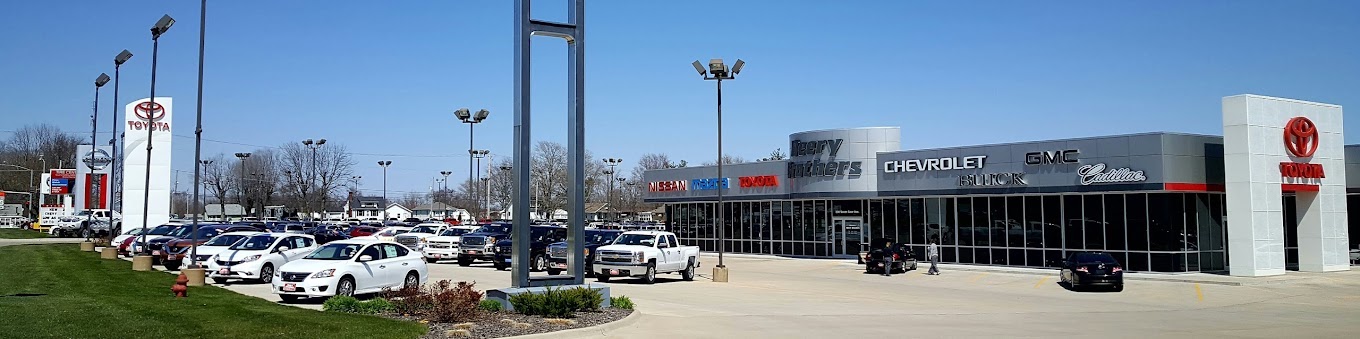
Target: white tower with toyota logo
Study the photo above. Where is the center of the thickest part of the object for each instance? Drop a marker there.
(134, 174)
(1275, 147)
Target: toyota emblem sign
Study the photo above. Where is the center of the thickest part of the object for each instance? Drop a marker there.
(1301, 137)
(149, 114)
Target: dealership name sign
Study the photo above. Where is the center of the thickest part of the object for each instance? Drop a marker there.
(993, 180)
(817, 167)
(935, 164)
(1301, 141)
(755, 181)
(1098, 174)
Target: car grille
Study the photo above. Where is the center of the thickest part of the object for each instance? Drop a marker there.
(154, 246)
(202, 258)
(229, 263)
(615, 256)
(440, 244)
(474, 241)
(408, 241)
(294, 276)
(178, 250)
(558, 252)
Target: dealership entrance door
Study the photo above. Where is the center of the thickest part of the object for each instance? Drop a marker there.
(847, 236)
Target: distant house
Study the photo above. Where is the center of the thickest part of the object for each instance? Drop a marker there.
(365, 208)
(223, 211)
(656, 215)
(439, 211)
(398, 212)
(598, 211)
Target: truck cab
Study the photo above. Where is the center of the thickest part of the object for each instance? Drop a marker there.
(539, 239)
(645, 254)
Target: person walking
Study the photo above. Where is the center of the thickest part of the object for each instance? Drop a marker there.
(933, 253)
(887, 258)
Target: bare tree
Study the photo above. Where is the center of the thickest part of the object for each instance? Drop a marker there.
(549, 180)
(728, 159)
(217, 180)
(777, 154)
(413, 199)
(25, 148)
(316, 180)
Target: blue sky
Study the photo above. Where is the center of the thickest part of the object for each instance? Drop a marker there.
(384, 78)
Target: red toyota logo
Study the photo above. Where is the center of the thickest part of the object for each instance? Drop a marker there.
(150, 111)
(1301, 137)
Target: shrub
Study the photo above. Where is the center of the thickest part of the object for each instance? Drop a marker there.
(375, 306)
(411, 301)
(341, 303)
(457, 304)
(586, 299)
(490, 306)
(557, 303)
(621, 302)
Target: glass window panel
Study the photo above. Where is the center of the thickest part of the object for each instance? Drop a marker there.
(1192, 262)
(1034, 221)
(1034, 258)
(1215, 229)
(1017, 257)
(777, 221)
(1202, 229)
(965, 255)
(1188, 241)
(1072, 222)
(903, 220)
(875, 222)
(1053, 255)
(1008, 215)
(821, 219)
(947, 254)
(998, 256)
(1053, 230)
(1165, 224)
(1136, 217)
(919, 224)
(948, 227)
(964, 223)
(1168, 262)
(1137, 262)
(982, 222)
(982, 256)
(1094, 221)
(1114, 222)
(808, 227)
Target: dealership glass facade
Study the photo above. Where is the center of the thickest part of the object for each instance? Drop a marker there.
(1154, 231)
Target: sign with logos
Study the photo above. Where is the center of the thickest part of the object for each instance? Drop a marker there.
(1068, 156)
(1099, 174)
(993, 180)
(153, 123)
(935, 164)
(92, 187)
(668, 186)
(817, 167)
(1301, 141)
(758, 181)
(97, 159)
(62, 180)
(708, 184)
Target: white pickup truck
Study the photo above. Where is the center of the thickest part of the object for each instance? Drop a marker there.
(88, 223)
(644, 254)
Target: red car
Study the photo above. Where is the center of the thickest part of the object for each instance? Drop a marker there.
(360, 231)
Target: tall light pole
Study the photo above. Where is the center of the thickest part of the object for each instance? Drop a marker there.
(241, 188)
(506, 170)
(486, 195)
(612, 208)
(384, 165)
(198, 131)
(471, 119)
(445, 190)
(94, 128)
(159, 28)
(609, 196)
(311, 184)
(205, 164)
(477, 154)
(632, 205)
(719, 72)
(115, 172)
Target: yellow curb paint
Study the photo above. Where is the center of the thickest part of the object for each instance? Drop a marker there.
(1199, 293)
(979, 276)
(1041, 282)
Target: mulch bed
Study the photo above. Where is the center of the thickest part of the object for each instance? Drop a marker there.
(509, 324)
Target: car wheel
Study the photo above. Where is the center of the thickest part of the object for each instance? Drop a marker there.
(172, 265)
(650, 277)
(288, 298)
(267, 273)
(219, 281)
(464, 262)
(345, 287)
(431, 260)
(1118, 288)
(554, 271)
(688, 273)
(499, 266)
(602, 277)
(539, 264)
(412, 281)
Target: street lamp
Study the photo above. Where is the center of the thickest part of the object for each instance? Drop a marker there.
(615, 209)
(486, 194)
(159, 28)
(384, 165)
(311, 184)
(241, 188)
(471, 119)
(99, 81)
(445, 191)
(631, 203)
(114, 172)
(506, 170)
(609, 196)
(718, 71)
(198, 128)
(478, 154)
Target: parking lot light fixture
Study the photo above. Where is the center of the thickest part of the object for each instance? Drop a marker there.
(115, 172)
(718, 71)
(384, 164)
(159, 28)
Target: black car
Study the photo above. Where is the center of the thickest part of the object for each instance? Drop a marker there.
(539, 239)
(324, 235)
(1092, 269)
(481, 245)
(903, 258)
(557, 252)
(155, 247)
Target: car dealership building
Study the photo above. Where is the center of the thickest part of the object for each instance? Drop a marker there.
(1268, 196)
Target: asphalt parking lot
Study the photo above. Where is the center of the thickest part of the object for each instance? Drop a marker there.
(771, 297)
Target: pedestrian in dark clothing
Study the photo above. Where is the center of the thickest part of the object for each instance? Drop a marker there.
(887, 258)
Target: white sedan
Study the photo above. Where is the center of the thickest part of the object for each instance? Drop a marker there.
(133, 232)
(349, 267)
(257, 257)
(221, 243)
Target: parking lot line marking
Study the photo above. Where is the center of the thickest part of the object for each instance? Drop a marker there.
(979, 276)
(1199, 293)
(1041, 282)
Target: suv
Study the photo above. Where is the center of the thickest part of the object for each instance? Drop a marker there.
(557, 252)
(481, 244)
(539, 239)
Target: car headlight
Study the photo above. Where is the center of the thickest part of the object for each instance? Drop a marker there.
(637, 257)
(324, 273)
(490, 240)
(587, 252)
(251, 258)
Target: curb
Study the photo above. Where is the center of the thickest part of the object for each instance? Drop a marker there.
(587, 332)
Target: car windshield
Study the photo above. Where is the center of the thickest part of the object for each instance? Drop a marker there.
(205, 233)
(600, 237)
(180, 232)
(393, 232)
(335, 252)
(1093, 258)
(134, 231)
(225, 240)
(635, 239)
(453, 232)
(258, 242)
(494, 229)
(425, 229)
(161, 230)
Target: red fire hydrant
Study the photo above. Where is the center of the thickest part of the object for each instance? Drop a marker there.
(181, 287)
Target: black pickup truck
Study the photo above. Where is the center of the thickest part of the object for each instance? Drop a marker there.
(557, 252)
(540, 237)
(481, 244)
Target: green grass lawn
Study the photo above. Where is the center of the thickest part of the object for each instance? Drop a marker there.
(14, 233)
(56, 291)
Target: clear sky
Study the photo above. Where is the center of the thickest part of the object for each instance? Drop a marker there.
(384, 77)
